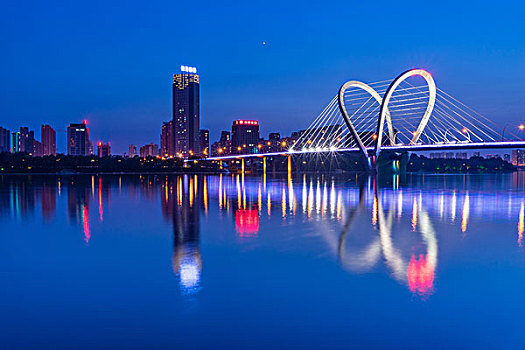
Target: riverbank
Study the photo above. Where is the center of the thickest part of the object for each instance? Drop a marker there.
(24, 164)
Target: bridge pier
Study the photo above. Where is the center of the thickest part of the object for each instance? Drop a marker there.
(390, 162)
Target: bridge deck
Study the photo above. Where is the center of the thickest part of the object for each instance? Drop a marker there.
(414, 148)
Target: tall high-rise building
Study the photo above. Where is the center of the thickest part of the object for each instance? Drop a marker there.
(225, 136)
(78, 139)
(26, 140)
(37, 149)
(103, 149)
(132, 151)
(166, 139)
(186, 112)
(205, 142)
(245, 136)
(518, 157)
(150, 150)
(5, 140)
(49, 141)
(15, 142)
(225, 142)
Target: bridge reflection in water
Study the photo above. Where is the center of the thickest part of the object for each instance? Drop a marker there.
(364, 224)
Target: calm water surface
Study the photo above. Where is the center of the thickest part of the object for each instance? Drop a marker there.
(433, 261)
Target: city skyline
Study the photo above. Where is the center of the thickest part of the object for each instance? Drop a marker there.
(183, 137)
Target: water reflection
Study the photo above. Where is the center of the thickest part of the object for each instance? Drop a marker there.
(361, 224)
(521, 225)
(181, 204)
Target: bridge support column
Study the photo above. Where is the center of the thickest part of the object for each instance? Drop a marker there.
(392, 162)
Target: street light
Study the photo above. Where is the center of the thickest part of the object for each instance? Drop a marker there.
(520, 127)
(466, 132)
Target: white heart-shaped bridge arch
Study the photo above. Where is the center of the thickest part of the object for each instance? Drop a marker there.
(384, 114)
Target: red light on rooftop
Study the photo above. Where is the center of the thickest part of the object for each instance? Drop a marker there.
(100, 143)
(245, 122)
(85, 122)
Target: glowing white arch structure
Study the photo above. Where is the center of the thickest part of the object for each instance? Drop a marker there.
(384, 114)
(384, 105)
(346, 117)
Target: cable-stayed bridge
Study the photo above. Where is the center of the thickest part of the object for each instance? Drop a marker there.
(409, 113)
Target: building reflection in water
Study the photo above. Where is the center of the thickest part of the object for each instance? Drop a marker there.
(521, 225)
(247, 222)
(5, 198)
(181, 201)
(78, 203)
(49, 199)
(321, 200)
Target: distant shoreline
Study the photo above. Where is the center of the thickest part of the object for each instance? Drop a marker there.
(249, 174)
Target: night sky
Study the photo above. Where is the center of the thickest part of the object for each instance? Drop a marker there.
(112, 62)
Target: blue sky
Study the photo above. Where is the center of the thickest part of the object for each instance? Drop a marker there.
(111, 63)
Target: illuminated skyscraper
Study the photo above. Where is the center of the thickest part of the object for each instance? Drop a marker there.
(150, 150)
(205, 142)
(225, 136)
(5, 143)
(103, 149)
(26, 140)
(186, 112)
(78, 140)
(245, 136)
(166, 140)
(518, 157)
(37, 149)
(15, 142)
(132, 151)
(225, 142)
(49, 141)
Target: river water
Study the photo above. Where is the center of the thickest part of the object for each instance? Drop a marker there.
(426, 261)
